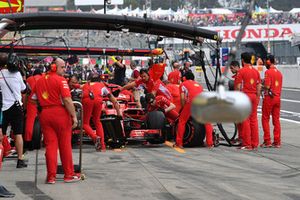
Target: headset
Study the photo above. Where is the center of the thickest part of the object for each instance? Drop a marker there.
(268, 59)
(52, 67)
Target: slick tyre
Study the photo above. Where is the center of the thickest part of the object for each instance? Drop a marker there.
(36, 134)
(156, 120)
(194, 134)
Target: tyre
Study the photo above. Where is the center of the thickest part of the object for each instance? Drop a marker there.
(156, 120)
(36, 134)
(194, 134)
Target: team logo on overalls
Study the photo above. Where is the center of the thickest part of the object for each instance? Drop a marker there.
(251, 81)
(276, 83)
(45, 95)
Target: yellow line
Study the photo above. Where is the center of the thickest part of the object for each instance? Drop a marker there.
(170, 144)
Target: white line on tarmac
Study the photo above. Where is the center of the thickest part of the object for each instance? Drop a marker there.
(283, 119)
(289, 100)
(283, 111)
(290, 89)
(287, 120)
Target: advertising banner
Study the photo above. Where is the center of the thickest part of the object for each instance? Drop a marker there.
(97, 2)
(258, 33)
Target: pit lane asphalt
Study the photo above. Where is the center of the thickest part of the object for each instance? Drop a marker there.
(161, 172)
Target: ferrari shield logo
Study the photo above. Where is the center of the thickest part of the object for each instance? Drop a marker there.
(251, 81)
(45, 95)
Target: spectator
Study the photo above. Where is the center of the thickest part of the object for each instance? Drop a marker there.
(12, 85)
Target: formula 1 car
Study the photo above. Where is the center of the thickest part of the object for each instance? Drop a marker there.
(140, 125)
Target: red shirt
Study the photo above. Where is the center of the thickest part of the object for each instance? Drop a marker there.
(162, 102)
(31, 81)
(174, 77)
(249, 77)
(51, 89)
(175, 92)
(98, 89)
(273, 79)
(190, 89)
(157, 86)
(157, 71)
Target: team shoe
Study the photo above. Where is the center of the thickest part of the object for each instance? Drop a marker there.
(276, 145)
(246, 148)
(21, 164)
(72, 179)
(177, 146)
(98, 143)
(103, 148)
(265, 145)
(50, 180)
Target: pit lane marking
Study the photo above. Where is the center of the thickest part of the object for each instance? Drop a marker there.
(170, 144)
(290, 100)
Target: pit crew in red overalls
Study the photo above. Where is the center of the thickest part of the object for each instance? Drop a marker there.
(31, 109)
(56, 118)
(271, 103)
(189, 89)
(235, 67)
(174, 79)
(92, 93)
(155, 87)
(163, 104)
(248, 81)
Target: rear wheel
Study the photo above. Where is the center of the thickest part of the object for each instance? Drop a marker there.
(194, 134)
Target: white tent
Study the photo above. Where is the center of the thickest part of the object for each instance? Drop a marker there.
(260, 10)
(114, 11)
(101, 11)
(221, 11)
(272, 10)
(156, 12)
(295, 10)
(135, 12)
(124, 11)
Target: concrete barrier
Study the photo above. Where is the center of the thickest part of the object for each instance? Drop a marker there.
(291, 76)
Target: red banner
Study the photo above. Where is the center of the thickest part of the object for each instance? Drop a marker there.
(14, 6)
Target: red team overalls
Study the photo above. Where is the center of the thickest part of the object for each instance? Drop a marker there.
(175, 92)
(163, 103)
(31, 107)
(93, 107)
(190, 89)
(157, 71)
(155, 86)
(56, 122)
(271, 105)
(174, 77)
(250, 78)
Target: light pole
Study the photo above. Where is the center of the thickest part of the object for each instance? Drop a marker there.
(106, 2)
(268, 26)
